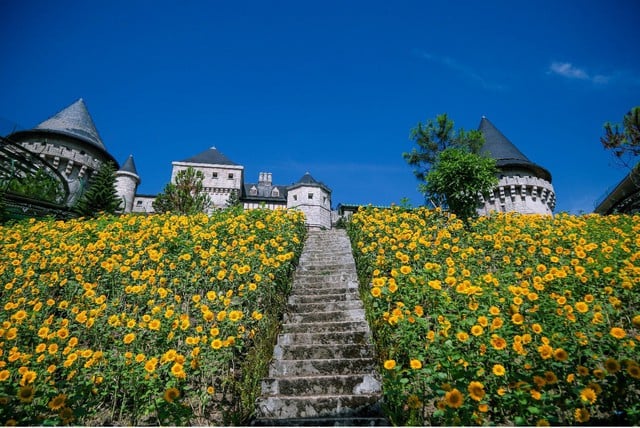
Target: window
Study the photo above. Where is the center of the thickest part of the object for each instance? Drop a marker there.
(310, 195)
(139, 203)
(253, 191)
(214, 175)
(231, 176)
(295, 197)
(275, 192)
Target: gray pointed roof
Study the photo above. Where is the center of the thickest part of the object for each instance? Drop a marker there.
(129, 166)
(308, 180)
(506, 154)
(76, 121)
(210, 156)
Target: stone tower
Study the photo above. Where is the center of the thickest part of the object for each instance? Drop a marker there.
(523, 186)
(70, 142)
(313, 198)
(127, 181)
(221, 175)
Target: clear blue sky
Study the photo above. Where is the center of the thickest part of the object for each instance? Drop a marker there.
(329, 87)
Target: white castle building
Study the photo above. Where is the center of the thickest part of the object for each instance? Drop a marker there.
(70, 142)
(523, 186)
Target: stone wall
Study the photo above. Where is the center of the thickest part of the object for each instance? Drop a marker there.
(526, 194)
(314, 202)
(219, 180)
(126, 186)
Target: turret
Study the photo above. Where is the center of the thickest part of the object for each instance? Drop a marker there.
(127, 181)
(313, 198)
(523, 186)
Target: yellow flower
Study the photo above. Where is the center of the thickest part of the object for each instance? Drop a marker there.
(498, 370)
(415, 364)
(151, 364)
(476, 390)
(545, 351)
(498, 342)
(26, 393)
(618, 333)
(560, 355)
(4, 375)
(171, 394)
(405, 270)
(581, 415)
(454, 398)
(376, 292)
(477, 330)
(582, 307)
(588, 395)
(128, 338)
(462, 336)
(612, 365)
(154, 325)
(57, 402)
(517, 319)
(216, 344)
(390, 364)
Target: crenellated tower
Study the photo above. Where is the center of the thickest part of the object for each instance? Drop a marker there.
(523, 186)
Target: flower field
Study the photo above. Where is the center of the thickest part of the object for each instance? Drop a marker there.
(140, 319)
(525, 320)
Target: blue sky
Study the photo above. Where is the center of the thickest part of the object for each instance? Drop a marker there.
(328, 87)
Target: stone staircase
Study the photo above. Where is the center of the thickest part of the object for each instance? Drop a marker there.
(323, 371)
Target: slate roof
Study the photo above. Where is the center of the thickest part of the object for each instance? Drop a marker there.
(264, 193)
(129, 166)
(506, 154)
(308, 180)
(76, 121)
(210, 156)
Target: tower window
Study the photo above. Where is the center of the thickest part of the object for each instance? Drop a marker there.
(275, 192)
(230, 176)
(310, 195)
(295, 197)
(214, 175)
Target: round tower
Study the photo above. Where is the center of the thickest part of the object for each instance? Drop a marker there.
(70, 142)
(127, 181)
(523, 186)
(314, 199)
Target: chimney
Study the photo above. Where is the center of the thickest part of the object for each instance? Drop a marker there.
(264, 178)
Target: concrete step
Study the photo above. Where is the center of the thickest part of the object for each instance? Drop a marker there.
(325, 316)
(319, 352)
(303, 308)
(323, 298)
(319, 327)
(328, 289)
(351, 406)
(325, 422)
(306, 367)
(344, 384)
(359, 337)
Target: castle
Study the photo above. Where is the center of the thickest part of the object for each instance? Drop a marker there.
(70, 142)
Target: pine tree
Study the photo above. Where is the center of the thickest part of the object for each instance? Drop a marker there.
(185, 196)
(101, 196)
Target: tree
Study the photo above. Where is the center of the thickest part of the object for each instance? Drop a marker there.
(185, 196)
(450, 167)
(101, 196)
(625, 144)
(435, 137)
(234, 200)
(458, 176)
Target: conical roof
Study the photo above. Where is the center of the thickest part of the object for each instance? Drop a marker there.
(76, 121)
(308, 180)
(210, 156)
(506, 154)
(129, 166)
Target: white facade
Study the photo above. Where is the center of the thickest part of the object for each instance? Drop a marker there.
(219, 180)
(526, 195)
(314, 200)
(126, 186)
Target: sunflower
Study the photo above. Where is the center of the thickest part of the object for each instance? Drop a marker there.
(550, 377)
(171, 394)
(498, 370)
(454, 398)
(26, 393)
(583, 371)
(462, 336)
(498, 342)
(477, 330)
(128, 338)
(618, 333)
(581, 415)
(545, 351)
(560, 355)
(612, 365)
(588, 395)
(390, 364)
(413, 402)
(633, 370)
(57, 402)
(476, 390)
(66, 414)
(415, 364)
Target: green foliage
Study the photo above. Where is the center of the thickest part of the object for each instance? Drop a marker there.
(459, 176)
(101, 196)
(435, 137)
(185, 196)
(625, 144)
(39, 186)
(234, 199)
